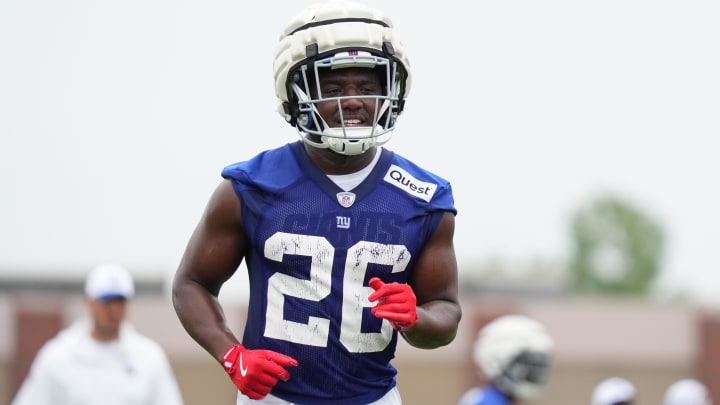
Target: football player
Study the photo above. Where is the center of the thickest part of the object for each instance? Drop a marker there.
(348, 245)
(513, 354)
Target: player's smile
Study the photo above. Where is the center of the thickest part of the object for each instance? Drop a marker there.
(347, 83)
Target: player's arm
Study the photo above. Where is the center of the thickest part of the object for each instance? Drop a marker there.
(434, 282)
(215, 250)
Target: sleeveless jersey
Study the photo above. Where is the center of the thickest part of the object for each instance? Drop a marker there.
(313, 250)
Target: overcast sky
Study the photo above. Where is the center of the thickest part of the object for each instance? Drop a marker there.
(117, 116)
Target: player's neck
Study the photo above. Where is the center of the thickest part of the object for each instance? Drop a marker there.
(333, 163)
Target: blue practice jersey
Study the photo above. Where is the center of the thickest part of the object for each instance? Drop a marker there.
(313, 250)
(487, 395)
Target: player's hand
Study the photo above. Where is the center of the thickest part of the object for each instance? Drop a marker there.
(255, 372)
(395, 302)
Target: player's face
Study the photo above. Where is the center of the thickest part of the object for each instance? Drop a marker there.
(107, 317)
(349, 82)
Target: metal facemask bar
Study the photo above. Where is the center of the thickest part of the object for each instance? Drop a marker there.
(526, 375)
(310, 122)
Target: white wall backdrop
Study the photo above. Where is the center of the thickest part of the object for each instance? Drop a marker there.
(116, 118)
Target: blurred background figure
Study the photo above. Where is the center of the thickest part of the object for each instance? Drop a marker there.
(614, 391)
(687, 392)
(513, 354)
(101, 359)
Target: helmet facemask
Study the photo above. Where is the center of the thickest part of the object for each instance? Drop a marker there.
(346, 140)
(337, 35)
(525, 376)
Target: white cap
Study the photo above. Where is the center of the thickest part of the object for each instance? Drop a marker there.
(612, 391)
(108, 281)
(686, 392)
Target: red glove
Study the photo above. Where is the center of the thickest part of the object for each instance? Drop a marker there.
(396, 303)
(255, 372)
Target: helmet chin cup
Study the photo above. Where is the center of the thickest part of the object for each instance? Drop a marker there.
(349, 147)
(526, 391)
(355, 140)
(347, 140)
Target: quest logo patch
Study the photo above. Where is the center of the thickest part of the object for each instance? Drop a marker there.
(404, 181)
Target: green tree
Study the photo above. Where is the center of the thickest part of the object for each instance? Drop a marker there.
(617, 250)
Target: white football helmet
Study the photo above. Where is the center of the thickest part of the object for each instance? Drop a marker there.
(332, 35)
(513, 352)
(613, 390)
(687, 392)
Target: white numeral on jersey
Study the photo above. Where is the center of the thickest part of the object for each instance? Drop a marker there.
(358, 257)
(315, 332)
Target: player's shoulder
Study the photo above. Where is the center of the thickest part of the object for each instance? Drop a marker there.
(59, 349)
(265, 168)
(416, 169)
(483, 395)
(473, 396)
(261, 159)
(420, 183)
(52, 351)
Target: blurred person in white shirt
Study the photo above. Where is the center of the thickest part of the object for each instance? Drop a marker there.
(101, 359)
